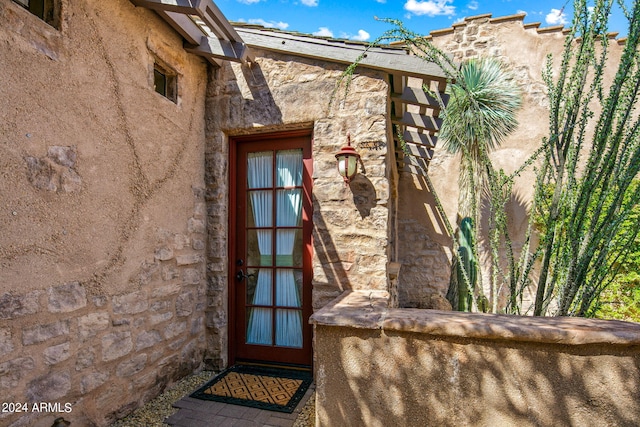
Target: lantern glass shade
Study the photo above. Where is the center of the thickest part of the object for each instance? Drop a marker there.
(347, 165)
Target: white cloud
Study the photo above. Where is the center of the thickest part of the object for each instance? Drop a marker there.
(556, 17)
(381, 1)
(310, 3)
(248, 1)
(473, 5)
(362, 36)
(269, 24)
(323, 32)
(522, 11)
(430, 7)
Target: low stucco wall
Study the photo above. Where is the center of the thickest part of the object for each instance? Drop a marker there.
(378, 366)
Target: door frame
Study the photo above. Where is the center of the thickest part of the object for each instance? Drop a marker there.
(234, 142)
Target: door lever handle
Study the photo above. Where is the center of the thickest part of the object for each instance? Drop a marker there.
(240, 276)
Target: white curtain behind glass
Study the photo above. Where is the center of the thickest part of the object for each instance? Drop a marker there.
(289, 214)
(259, 175)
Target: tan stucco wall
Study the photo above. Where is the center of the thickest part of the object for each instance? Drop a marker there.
(350, 223)
(424, 246)
(378, 367)
(102, 220)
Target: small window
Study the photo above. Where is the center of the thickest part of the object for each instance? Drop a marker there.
(165, 82)
(43, 9)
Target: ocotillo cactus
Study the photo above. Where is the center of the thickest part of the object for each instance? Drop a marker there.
(468, 262)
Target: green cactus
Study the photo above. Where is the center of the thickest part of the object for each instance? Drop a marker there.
(468, 262)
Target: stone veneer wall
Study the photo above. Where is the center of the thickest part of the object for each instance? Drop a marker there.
(103, 219)
(424, 246)
(350, 224)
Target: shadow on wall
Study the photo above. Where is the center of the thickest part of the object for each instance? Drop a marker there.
(364, 194)
(424, 245)
(332, 280)
(241, 99)
(398, 378)
(517, 210)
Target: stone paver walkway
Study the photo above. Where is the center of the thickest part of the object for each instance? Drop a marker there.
(203, 413)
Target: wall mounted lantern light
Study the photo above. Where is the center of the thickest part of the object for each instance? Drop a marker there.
(347, 159)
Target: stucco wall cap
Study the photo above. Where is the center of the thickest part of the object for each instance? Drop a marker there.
(369, 310)
(515, 17)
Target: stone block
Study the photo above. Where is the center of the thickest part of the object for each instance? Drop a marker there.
(198, 244)
(189, 259)
(166, 290)
(217, 248)
(147, 272)
(14, 371)
(200, 209)
(197, 325)
(56, 354)
(177, 344)
(154, 319)
(50, 387)
(195, 225)
(147, 339)
(164, 254)
(66, 298)
(180, 241)
(91, 324)
(132, 366)
(174, 329)
(41, 174)
(169, 272)
(85, 358)
(92, 381)
(70, 181)
(121, 321)
(64, 156)
(12, 306)
(184, 304)
(6, 344)
(116, 345)
(41, 333)
(157, 306)
(100, 301)
(191, 276)
(133, 303)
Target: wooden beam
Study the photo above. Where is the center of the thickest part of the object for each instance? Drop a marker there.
(417, 96)
(420, 138)
(397, 83)
(183, 25)
(419, 121)
(390, 60)
(188, 7)
(215, 15)
(416, 162)
(222, 49)
(416, 151)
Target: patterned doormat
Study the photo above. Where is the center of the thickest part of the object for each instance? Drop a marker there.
(273, 389)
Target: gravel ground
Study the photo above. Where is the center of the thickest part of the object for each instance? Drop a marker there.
(154, 412)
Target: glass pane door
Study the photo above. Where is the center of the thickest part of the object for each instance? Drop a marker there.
(274, 248)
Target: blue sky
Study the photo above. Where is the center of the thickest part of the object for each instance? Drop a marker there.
(354, 19)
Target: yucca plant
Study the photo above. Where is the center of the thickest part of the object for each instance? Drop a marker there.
(480, 114)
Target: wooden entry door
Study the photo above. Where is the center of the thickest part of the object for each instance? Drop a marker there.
(270, 254)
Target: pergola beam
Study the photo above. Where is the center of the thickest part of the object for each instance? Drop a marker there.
(221, 49)
(188, 17)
